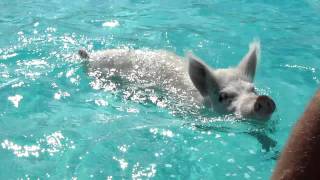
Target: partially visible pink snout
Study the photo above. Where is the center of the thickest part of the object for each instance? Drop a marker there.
(259, 107)
(263, 107)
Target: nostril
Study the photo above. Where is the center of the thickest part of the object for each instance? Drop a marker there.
(264, 105)
(257, 107)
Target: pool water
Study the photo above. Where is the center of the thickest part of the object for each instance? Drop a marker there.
(57, 123)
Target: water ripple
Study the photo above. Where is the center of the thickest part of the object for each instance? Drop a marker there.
(50, 144)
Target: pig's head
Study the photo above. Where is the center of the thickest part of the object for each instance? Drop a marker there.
(232, 90)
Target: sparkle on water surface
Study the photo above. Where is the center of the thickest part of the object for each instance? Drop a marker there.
(58, 122)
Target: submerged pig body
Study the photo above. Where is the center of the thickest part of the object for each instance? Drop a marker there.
(229, 90)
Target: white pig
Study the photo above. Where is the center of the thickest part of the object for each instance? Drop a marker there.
(229, 90)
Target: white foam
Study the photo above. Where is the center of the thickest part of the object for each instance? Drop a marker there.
(111, 24)
(60, 94)
(15, 100)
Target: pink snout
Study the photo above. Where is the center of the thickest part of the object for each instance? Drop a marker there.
(264, 106)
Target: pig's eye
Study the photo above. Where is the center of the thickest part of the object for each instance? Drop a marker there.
(223, 96)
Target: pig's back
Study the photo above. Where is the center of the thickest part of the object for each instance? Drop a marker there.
(145, 68)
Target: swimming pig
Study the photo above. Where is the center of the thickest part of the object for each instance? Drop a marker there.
(229, 90)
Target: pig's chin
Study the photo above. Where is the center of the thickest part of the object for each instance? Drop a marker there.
(261, 117)
(249, 113)
(255, 116)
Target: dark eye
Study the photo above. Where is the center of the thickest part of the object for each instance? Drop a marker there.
(223, 96)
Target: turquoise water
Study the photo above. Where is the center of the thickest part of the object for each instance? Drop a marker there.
(55, 123)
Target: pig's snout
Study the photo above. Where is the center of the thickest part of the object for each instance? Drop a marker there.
(264, 106)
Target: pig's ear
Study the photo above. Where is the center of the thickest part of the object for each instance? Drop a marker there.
(201, 76)
(248, 64)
